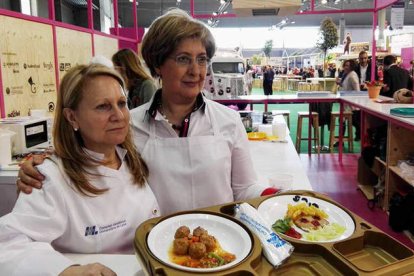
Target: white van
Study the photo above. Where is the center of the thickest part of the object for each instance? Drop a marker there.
(226, 77)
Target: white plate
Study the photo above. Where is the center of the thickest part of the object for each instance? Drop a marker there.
(231, 236)
(275, 208)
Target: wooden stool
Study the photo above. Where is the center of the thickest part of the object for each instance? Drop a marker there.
(285, 113)
(315, 138)
(347, 116)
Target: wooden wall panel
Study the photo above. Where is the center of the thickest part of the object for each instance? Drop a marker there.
(73, 48)
(27, 61)
(105, 46)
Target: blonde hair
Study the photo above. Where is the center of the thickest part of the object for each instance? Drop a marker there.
(167, 32)
(69, 144)
(132, 67)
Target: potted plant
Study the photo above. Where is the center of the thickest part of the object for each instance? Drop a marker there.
(374, 88)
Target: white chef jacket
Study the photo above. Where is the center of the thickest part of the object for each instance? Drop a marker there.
(211, 166)
(57, 219)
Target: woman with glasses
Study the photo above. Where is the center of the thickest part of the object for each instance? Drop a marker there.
(196, 150)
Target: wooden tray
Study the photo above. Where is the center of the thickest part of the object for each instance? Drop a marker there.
(368, 251)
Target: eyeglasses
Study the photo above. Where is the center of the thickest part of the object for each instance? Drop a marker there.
(185, 60)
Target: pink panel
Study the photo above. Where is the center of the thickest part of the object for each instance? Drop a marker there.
(407, 56)
(380, 4)
(127, 44)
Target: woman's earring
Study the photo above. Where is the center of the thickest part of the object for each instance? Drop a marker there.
(75, 129)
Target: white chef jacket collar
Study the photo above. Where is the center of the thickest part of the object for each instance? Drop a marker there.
(121, 152)
(156, 99)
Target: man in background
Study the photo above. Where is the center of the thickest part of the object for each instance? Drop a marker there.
(268, 76)
(363, 71)
(395, 77)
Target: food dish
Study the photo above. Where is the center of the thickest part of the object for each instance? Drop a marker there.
(233, 238)
(276, 207)
(256, 136)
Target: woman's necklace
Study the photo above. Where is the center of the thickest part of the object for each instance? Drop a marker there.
(176, 127)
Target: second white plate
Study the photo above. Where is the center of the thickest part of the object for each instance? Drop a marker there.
(275, 208)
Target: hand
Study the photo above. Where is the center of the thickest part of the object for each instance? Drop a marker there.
(338, 81)
(89, 269)
(28, 176)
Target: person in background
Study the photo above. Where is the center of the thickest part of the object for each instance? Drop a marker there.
(268, 76)
(412, 69)
(363, 70)
(395, 77)
(95, 192)
(196, 150)
(332, 70)
(349, 80)
(139, 83)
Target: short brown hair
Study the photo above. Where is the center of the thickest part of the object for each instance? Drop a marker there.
(167, 32)
(69, 144)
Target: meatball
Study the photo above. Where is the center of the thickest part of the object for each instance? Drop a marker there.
(180, 246)
(197, 250)
(182, 232)
(209, 241)
(199, 231)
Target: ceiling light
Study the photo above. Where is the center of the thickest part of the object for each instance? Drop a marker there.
(324, 2)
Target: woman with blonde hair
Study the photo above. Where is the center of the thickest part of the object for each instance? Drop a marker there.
(139, 83)
(95, 192)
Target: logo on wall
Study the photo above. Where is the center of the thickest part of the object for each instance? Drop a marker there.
(36, 66)
(51, 106)
(7, 90)
(48, 66)
(67, 66)
(61, 67)
(32, 85)
(14, 113)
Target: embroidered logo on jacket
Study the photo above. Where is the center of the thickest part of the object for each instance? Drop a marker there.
(90, 230)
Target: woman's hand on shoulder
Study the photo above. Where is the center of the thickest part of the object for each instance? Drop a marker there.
(89, 269)
(29, 177)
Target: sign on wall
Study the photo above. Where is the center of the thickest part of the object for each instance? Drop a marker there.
(27, 66)
(73, 48)
(355, 48)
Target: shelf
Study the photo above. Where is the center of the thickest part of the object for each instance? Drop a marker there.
(409, 235)
(367, 190)
(397, 171)
(379, 160)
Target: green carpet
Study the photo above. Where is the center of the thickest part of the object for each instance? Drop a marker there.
(294, 109)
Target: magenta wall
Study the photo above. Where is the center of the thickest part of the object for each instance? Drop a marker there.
(407, 54)
(383, 3)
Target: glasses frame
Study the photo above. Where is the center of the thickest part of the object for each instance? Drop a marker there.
(199, 60)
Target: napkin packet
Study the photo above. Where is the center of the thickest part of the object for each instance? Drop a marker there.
(275, 249)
